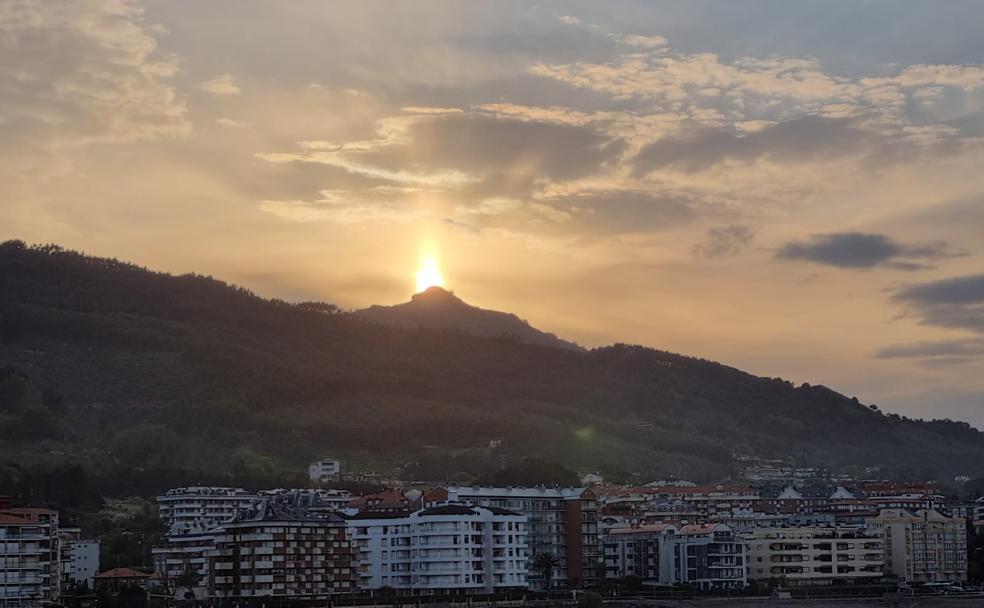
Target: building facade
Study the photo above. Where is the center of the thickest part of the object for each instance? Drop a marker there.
(922, 546)
(79, 559)
(195, 509)
(815, 555)
(708, 556)
(560, 521)
(445, 547)
(325, 470)
(30, 557)
(279, 550)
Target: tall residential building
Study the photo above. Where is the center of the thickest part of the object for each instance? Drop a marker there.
(708, 556)
(922, 546)
(182, 553)
(30, 557)
(815, 555)
(560, 521)
(446, 547)
(278, 550)
(79, 557)
(196, 509)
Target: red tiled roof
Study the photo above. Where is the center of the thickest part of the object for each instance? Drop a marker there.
(6, 518)
(122, 573)
(645, 528)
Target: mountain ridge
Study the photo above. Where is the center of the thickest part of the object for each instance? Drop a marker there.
(147, 378)
(437, 307)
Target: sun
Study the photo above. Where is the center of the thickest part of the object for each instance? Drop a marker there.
(429, 275)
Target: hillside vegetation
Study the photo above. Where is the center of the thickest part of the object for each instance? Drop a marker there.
(142, 380)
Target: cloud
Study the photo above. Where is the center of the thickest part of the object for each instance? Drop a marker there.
(723, 241)
(964, 347)
(622, 211)
(644, 42)
(956, 302)
(799, 139)
(569, 20)
(862, 251)
(82, 72)
(223, 84)
(454, 148)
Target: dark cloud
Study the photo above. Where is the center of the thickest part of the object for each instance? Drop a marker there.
(794, 140)
(477, 144)
(957, 302)
(960, 348)
(724, 240)
(861, 250)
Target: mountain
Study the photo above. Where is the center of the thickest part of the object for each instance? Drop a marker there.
(141, 380)
(436, 307)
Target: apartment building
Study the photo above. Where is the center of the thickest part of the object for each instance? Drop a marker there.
(922, 546)
(444, 547)
(707, 556)
(30, 557)
(815, 555)
(275, 549)
(180, 554)
(79, 559)
(560, 521)
(199, 508)
(645, 551)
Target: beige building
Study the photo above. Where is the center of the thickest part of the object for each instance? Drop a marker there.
(922, 546)
(815, 555)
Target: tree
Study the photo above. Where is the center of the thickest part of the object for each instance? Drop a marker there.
(189, 579)
(545, 563)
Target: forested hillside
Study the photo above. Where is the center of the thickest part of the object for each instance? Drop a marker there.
(144, 380)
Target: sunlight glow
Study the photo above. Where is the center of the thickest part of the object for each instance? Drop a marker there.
(429, 275)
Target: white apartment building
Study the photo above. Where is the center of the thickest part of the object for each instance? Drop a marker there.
(922, 546)
(79, 559)
(196, 509)
(815, 555)
(560, 521)
(324, 470)
(708, 556)
(443, 547)
(30, 557)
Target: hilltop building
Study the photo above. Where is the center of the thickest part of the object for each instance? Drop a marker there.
(325, 470)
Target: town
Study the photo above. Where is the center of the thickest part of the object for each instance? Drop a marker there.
(785, 532)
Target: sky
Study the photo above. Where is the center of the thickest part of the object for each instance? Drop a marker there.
(794, 188)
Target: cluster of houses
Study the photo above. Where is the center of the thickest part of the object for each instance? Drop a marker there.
(477, 539)
(317, 543)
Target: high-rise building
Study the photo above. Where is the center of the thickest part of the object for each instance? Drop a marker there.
(560, 521)
(30, 557)
(443, 547)
(196, 509)
(922, 546)
(275, 549)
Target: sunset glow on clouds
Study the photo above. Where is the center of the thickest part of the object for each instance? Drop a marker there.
(792, 190)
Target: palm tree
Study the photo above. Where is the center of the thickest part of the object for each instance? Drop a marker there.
(545, 563)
